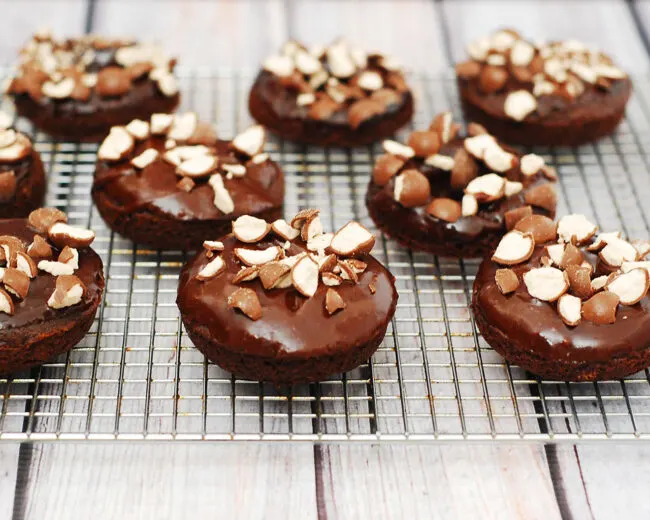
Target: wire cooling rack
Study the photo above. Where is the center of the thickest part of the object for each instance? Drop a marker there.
(136, 375)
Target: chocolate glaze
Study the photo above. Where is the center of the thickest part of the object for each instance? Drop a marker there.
(282, 101)
(33, 310)
(593, 103)
(154, 187)
(292, 327)
(416, 226)
(535, 326)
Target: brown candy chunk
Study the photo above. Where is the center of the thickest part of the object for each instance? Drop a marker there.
(412, 189)
(80, 91)
(445, 209)
(333, 301)
(571, 256)
(7, 185)
(16, 282)
(506, 280)
(323, 108)
(137, 70)
(185, 184)
(543, 196)
(464, 170)
(39, 248)
(386, 97)
(246, 274)
(515, 215)
(246, 300)
(601, 308)
(542, 228)
(66, 255)
(65, 293)
(386, 167)
(113, 82)
(6, 303)
(522, 74)
(468, 69)
(492, 79)
(424, 142)
(43, 219)
(362, 110)
(580, 281)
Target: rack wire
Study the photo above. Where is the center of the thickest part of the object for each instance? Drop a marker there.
(136, 375)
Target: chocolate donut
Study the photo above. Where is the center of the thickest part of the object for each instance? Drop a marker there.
(169, 182)
(78, 88)
(455, 196)
(51, 286)
(22, 178)
(331, 96)
(555, 94)
(565, 303)
(286, 302)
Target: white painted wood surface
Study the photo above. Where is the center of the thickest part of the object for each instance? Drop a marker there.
(300, 481)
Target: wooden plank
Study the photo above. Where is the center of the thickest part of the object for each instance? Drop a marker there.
(437, 482)
(8, 475)
(181, 481)
(384, 26)
(550, 19)
(21, 19)
(225, 33)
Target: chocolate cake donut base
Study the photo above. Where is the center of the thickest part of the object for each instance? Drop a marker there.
(30, 192)
(561, 133)
(280, 371)
(91, 127)
(322, 133)
(153, 228)
(615, 367)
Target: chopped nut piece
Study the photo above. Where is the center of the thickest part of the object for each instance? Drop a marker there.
(542, 228)
(333, 301)
(55, 268)
(617, 251)
(270, 274)
(444, 125)
(468, 69)
(575, 227)
(531, 163)
(25, 264)
(348, 272)
(258, 256)
(6, 303)
(506, 280)
(211, 269)
(630, 287)
(246, 274)
(512, 188)
(160, 123)
(138, 129)
(412, 188)
(445, 209)
(492, 79)
(395, 148)
(16, 282)
(183, 126)
(17, 151)
(330, 279)
(513, 216)
(117, 145)
(145, 158)
(487, 188)
(353, 239)
(546, 283)
(222, 199)
(65, 235)
(442, 162)
(284, 230)
(186, 184)
(113, 82)
(599, 283)
(302, 217)
(197, 167)
(320, 242)
(58, 90)
(327, 263)
(304, 276)
(246, 300)
(519, 104)
(601, 308)
(69, 291)
(70, 256)
(43, 219)
(310, 228)
(569, 308)
(386, 167)
(469, 205)
(571, 256)
(251, 141)
(7, 185)
(370, 80)
(250, 229)
(478, 144)
(515, 247)
(281, 66)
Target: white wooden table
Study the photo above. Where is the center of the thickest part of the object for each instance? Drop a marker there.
(253, 480)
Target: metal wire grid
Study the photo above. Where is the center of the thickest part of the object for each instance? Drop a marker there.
(136, 375)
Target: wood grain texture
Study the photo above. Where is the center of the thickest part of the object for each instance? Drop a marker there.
(21, 19)
(605, 23)
(438, 482)
(224, 33)
(132, 481)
